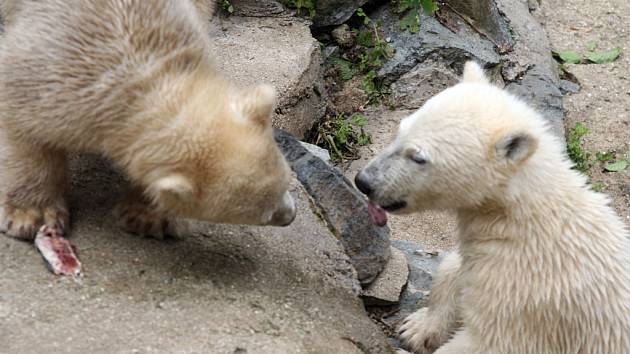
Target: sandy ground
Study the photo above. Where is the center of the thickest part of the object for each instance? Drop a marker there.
(603, 104)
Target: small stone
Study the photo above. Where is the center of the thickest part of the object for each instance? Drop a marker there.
(343, 35)
(317, 151)
(422, 266)
(567, 86)
(386, 288)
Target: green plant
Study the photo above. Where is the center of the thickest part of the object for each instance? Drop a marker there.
(308, 6)
(373, 53)
(226, 6)
(598, 186)
(605, 156)
(580, 157)
(611, 163)
(343, 135)
(572, 57)
(347, 69)
(411, 21)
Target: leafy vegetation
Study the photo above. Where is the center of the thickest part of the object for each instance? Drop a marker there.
(370, 54)
(569, 57)
(580, 157)
(226, 6)
(343, 135)
(573, 57)
(603, 57)
(302, 7)
(411, 21)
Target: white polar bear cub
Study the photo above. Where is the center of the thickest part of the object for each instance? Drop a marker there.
(543, 265)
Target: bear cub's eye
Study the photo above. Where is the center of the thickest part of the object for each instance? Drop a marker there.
(419, 159)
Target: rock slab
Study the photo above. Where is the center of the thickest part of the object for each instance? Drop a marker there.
(342, 206)
(422, 268)
(386, 288)
(280, 51)
(334, 12)
(220, 289)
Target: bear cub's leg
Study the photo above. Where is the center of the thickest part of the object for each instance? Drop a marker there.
(34, 188)
(429, 328)
(137, 216)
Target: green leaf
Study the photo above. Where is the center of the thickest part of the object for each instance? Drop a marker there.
(429, 6)
(591, 46)
(603, 57)
(628, 156)
(359, 119)
(364, 139)
(605, 156)
(347, 70)
(366, 19)
(365, 39)
(599, 186)
(617, 166)
(404, 5)
(411, 21)
(580, 130)
(570, 57)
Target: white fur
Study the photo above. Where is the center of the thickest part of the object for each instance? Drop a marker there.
(545, 261)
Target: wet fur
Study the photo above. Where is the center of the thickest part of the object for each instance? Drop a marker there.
(132, 80)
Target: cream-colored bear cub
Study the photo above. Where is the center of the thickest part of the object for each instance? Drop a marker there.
(543, 265)
(134, 81)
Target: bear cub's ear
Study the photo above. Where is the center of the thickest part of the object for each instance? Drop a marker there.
(473, 73)
(515, 148)
(258, 103)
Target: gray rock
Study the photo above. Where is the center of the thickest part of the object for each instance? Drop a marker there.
(334, 12)
(386, 288)
(543, 94)
(343, 36)
(422, 267)
(567, 87)
(485, 16)
(342, 206)
(279, 51)
(317, 151)
(258, 8)
(529, 68)
(432, 41)
(422, 82)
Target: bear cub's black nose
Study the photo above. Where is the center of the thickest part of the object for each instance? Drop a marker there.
(362, 184)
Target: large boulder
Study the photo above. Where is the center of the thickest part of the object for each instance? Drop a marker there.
(279, 50)
(342, 206)
(503, 36)
(334, 12)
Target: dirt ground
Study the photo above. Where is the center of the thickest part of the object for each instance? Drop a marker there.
(603, 104)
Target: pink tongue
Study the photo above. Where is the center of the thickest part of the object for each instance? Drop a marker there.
(378, 214)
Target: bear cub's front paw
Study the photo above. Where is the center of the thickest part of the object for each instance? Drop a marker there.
(138, 219)
(422, 332)
(23, 223)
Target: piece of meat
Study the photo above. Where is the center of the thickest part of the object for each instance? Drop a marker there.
(58, 252)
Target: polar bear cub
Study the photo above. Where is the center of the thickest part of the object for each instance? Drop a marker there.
(135, 82)
(543, 262)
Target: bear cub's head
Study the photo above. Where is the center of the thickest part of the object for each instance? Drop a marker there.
(459, 151)
(218, 161)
